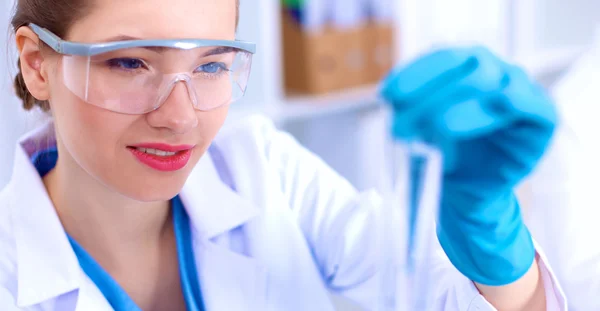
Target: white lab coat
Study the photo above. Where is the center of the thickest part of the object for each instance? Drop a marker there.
(563, 203)
(290, 233)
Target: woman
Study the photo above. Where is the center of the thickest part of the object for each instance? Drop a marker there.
(127, 200)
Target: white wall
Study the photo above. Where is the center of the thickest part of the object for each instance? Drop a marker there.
(11, 117)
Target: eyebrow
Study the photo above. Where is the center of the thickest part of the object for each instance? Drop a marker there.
(156, 49)
(120, 38)
(159, 49)
(220, 50)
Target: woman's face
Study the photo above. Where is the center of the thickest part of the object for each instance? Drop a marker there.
(99, 141)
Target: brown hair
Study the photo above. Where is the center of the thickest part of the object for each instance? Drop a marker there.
(57, 16)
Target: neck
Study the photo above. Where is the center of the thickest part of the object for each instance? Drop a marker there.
(110, 226)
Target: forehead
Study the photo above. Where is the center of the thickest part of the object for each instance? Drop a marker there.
(157, 19)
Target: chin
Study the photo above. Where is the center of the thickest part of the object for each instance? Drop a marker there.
(154, 196)
(142, 184)
(159, 192)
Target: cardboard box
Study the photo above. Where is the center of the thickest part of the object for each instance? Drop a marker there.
(380, 50)
(325, 61)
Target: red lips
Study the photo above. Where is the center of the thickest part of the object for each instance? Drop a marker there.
(160, 156)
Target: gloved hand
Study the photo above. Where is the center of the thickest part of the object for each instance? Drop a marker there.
(492, 125)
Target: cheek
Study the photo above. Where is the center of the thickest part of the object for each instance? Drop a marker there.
(90, 135)
(87, 127)
(81, 123)
(210, 122)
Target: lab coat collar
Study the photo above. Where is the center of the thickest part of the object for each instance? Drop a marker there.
(46, 264)
(217, 208)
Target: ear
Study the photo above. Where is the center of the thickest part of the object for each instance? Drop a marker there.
(31, 58)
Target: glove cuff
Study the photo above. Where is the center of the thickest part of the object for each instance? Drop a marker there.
(489, 244)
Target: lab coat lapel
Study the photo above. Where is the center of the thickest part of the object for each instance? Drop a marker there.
(228, 280)
(214, 207)
(90, 298)
(46, 264)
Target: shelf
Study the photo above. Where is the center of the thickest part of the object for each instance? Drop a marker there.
(549, 62)
(297, 108)
(305, 107)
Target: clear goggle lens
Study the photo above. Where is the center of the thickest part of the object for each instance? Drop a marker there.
(139, 80)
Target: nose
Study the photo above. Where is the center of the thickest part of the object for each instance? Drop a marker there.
(176, 113)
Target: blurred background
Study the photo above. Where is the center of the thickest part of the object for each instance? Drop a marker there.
(318, 63)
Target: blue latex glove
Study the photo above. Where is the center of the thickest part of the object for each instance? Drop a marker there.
(492, 125)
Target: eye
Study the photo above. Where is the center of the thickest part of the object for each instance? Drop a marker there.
(212, 68)
(126, 63)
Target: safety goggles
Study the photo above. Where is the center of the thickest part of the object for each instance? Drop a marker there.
(137, 76)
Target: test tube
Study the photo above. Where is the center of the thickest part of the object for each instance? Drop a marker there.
(410, 211)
